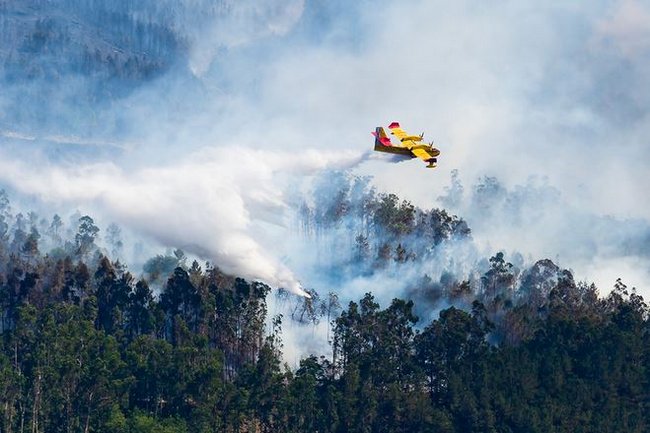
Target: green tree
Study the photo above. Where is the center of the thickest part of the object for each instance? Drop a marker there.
(181, 301)
(112, 295)
(141, 319)
(87, 232)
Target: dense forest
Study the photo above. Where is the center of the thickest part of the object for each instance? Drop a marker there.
(87, 345)
(118, 40)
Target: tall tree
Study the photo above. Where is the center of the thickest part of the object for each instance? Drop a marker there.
(114, 239)
(87, 232)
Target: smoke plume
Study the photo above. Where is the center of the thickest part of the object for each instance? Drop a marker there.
(200, 124)
(218, 204)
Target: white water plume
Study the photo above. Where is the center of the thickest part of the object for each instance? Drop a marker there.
(219, 204)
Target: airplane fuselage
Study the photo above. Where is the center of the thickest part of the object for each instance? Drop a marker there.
(406, 149)
(399, 150)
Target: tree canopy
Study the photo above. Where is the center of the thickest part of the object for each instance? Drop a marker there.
(85, 346)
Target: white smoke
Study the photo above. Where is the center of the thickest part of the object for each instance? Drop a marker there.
(240, 23)
(510, 90)
(218, 203)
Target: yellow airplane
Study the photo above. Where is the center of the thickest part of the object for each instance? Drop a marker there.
(409, 145)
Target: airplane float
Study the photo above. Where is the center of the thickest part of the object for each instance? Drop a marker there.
(409, 145)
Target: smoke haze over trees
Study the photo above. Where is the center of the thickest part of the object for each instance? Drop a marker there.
(194, 237)
(166, 81)
(88, 346)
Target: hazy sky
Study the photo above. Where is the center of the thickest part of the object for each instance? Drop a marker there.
(274, 91)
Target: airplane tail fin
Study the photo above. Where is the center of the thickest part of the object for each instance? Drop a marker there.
(381, 139)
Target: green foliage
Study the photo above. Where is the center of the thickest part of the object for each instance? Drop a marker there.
(396, 218)
(86, 234)
(378, 230)
(160, 266)
(142, 423)
(84, 347)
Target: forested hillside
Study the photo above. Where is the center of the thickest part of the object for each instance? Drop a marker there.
(121, 40)
(88, 346)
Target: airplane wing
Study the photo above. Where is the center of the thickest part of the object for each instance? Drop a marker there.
(422, 154)
(397, 131)
(427, 155)
(403, 136)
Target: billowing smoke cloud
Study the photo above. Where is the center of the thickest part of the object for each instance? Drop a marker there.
(537, 220)
(208, 151)
(217, 204)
